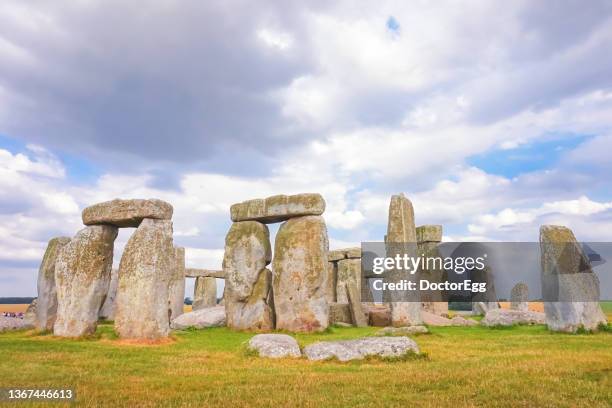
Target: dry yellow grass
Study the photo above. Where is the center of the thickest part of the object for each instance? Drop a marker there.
(13, 308)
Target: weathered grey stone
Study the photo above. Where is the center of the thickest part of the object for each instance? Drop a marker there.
(354, 297)
(126, 213)
(107, 311)
(509, 317)
(344, 253)
(46, 309)
(275, 346)
(82, 277)
(278, 208)
(462, 321)
(248, 284)
(483, 302)
(340, 313)
(204, 293)
(200, 319)
(405, 307)
(29, 317)
(176, 288)
(402, 331)
(349, 272)
(429, 233)
(519, 297)
(567, 275)
(144, 275)
(300, 275)
(332, 279)
(361, 348)
(204, 273)
(379, 316)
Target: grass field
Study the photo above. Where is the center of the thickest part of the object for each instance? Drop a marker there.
(13, 308)
(518, 366)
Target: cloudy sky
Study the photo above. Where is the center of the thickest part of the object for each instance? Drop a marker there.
(492, 117)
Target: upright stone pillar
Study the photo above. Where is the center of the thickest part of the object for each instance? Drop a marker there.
(567, 276)
(144, 275)
(176, 289)
(428, 239)
(204, 292)
(107, 311)
(46, 306)
(519, 297)
(82, 277)
(349, 273)
(300, 275)
(401, 237)
(332, 280)
(248, 283)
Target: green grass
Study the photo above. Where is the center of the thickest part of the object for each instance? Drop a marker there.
(465, 366)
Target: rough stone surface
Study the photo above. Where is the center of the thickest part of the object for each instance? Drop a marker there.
(354, 297)
(107, 311)
(144, 276)
(46, 309)
(29, 317)
(82, 277)
(379, 316)
(509, 317)
(462, 321)
(483, 302)
(566, 272)
(332, 279)
(361, 348)
(432, 319)
(126, 213)
(300, 275)
(199, 319)
(176, 287)
(429, 233)
(349, 272)
(405, 308)
(275, 346)
(340, 313)
(519, 297)
(402, 331)
(278, 208)
(248, 283)
(13, 323)
(344, 253)
(204, 293)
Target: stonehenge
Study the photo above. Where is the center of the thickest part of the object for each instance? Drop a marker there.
(294, 284)
(46, 307)
(569, 287)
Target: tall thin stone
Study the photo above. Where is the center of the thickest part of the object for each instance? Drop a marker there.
(204, 292)
(569, 287)
(248, 283)
(144, 275)
(82, 277)
(519, 296)
(428, 239)
(349, 272)
(300, 275)
(401, 239)
(176, 289)
(46, 306)
(107, 311)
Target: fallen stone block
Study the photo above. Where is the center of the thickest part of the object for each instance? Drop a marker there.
(275, 346)
(385, 347)
(200, 319)
(509, 317)
(402, 331)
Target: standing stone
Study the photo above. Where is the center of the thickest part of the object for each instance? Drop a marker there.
(401, 238)
(204, 292)
(29, 317)
(332, 279)
(248, 284)
(428, 239)
(483, 302)
(300, 275)
(107, 311)
(354, 297)
(349, 272)
(569, 287)
(46, 305)
(519, 296)
(144, 274)
(176, 289)
(82, 277)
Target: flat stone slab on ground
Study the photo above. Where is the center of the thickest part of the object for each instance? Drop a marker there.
(207, 317)
(509, 317)
(361, 348)
(278, 208)
(402, 331)
(126, 213)
(275, 346)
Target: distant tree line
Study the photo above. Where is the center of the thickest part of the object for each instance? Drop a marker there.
(16, 300)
